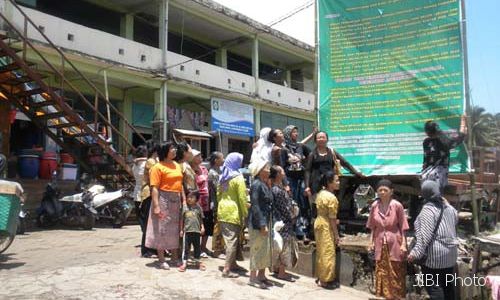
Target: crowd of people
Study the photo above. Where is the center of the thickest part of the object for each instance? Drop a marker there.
(180, 203)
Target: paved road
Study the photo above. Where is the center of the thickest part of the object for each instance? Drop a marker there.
(105, 264)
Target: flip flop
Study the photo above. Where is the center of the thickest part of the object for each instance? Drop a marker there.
(286, 278)
(230, 275)
(182, 268)
(266, 281)
(202, 267)
(257, 284)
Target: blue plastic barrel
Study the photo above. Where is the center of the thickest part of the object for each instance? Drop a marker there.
(28, 166)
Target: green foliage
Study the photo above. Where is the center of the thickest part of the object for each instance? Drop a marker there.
(485, 128)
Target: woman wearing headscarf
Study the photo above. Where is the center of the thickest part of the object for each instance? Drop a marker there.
(293, 156)
(441, 248)
(326, 231)
(388, 225)
(263, 147)
(232, 209)
(261, 198)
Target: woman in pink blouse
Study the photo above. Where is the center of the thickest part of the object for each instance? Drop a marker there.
(388, 225)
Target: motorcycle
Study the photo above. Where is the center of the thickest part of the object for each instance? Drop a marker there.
(70, 211)
(113, 206)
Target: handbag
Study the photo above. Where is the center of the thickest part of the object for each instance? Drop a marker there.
(430, 173)
(423, 259)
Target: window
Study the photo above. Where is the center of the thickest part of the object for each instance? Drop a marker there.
(269, 119)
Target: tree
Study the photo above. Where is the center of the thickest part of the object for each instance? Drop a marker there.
(484, 130)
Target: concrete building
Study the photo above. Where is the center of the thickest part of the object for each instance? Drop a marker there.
(171, 58)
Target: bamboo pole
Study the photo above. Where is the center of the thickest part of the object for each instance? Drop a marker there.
(472, 175)
(108, 112)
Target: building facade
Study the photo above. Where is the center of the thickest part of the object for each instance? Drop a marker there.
(169, 59)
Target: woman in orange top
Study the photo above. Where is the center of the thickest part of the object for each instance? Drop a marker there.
(166, 190)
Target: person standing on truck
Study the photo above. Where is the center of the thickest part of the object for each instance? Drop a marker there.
(437, 146)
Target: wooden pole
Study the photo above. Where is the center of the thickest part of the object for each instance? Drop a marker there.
(106, 93)
(472, 175)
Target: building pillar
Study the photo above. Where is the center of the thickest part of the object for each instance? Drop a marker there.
(255, 63)
(257, 120)
(161, 102)
(160, 120)
(127, 26)
(221, 58)
(288, 78)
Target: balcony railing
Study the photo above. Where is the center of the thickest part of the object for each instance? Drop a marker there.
(103, 45)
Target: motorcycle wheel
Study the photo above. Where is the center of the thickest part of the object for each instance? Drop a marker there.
(117, 223)
(5, 241)
(89, 221)
(124, 210)
(43, 221)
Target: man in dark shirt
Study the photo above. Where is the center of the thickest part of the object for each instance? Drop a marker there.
(437, 146)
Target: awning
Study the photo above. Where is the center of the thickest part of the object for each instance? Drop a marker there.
(194, 133)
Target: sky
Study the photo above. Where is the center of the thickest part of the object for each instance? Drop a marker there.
(483, 38)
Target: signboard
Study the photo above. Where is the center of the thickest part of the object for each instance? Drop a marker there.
(385, 68)
(232, 117)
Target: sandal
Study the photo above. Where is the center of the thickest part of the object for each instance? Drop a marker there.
(257, 284)
(164, 266)
(266, 281)
(288, 278)
(237, 268)
(182, 268)
(230, 275)
(202, 267)
(317, 283)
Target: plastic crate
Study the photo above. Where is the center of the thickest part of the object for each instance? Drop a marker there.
(10, 206)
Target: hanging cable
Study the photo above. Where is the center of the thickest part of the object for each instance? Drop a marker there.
(291, 13)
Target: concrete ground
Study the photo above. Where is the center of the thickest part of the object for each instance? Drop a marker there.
(105, 264)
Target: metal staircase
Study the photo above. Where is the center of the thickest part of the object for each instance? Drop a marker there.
(22, 84)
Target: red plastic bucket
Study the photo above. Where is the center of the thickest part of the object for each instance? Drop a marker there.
(66, 158)
(48, 164)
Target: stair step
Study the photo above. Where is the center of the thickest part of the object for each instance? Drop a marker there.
(52, 116)
(3, 53)
(46, 103)
(64, 125)
(36, 105)
(12, 67)
(28, 93)
(17, 81)
(80, 134)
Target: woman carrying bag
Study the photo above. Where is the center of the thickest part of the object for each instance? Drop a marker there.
(436, 246)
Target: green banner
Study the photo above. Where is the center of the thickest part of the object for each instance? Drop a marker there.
(385, 68)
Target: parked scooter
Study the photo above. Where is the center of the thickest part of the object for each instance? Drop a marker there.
(113, 206)
(71, 211)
